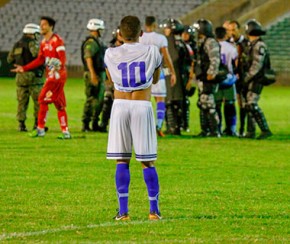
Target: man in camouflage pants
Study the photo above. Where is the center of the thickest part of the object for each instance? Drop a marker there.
(206, 69)
(256, 60)
(28, 83)
(93, 51)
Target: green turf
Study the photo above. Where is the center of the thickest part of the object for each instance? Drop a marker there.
(212, 190)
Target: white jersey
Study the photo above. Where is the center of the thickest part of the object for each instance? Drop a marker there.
(153, 38)
(132, 65)
(229, 54)
(160, 41)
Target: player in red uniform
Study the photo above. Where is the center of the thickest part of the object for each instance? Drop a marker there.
(52, 53)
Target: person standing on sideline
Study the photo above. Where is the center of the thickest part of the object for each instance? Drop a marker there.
(109, 87)
(242, 44)
(93, 51)
(52, 54)
(258, 55)
(172, 29)
(29, 84)
(150, 37)
(206, 69)
(133, 67)
(227, 90)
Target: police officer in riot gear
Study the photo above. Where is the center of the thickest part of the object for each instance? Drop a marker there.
(206, 69)
(28, 83)
(93, 51)
(257, 54)
(109, 88)
(172, 29)
(188, 37)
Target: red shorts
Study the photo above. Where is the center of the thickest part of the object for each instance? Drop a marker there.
(53, 92)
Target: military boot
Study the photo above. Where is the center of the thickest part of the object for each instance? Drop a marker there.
(251, 127)
(22, 126)
(213, 120)
(262, 123)
(204, 125)
(86, 127)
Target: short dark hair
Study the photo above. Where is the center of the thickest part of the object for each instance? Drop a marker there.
(220, 32)
(150, 20)
(130, 27)
(235, 22)
(50, 20)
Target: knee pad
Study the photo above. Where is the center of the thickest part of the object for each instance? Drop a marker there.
(207, 101)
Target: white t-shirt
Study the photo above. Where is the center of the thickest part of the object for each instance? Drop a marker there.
(153, 38)
(229, 54)
(132, 65)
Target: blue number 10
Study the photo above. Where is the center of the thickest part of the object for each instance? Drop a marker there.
(135, 69)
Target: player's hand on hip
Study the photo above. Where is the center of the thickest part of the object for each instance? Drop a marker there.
(18, 69)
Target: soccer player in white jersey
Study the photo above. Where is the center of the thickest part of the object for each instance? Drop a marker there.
(227, 89)
(150, 37)
(133, 67)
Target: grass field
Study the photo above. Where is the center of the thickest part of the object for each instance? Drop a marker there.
(213, 190)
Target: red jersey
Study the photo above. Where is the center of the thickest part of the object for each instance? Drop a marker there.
(53, 48)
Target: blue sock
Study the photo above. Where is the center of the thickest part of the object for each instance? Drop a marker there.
(151, 180)
(160, 110)
(122, 185)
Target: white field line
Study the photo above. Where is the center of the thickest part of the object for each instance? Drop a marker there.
(15, 235)
(6, 236)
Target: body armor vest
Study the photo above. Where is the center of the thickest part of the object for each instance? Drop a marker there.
(23, 55)
(21, 52)
(98, 58)
(202, 63)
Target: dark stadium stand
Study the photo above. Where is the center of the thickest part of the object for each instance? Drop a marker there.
(278, 41)
(72, 17)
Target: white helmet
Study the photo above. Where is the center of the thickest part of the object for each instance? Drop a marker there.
(31, 28)
(96, 24)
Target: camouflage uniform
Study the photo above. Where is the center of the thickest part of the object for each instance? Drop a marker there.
(257, 54)
(93, 48)
(28, 83)
(208, 62)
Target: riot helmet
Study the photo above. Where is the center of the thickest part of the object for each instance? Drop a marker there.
(95, 24)
(189, 29)
(204, 27)
(173, 24)
(31, 29)
(254, 28)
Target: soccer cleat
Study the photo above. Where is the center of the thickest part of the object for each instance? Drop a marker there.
(122, 217)
(154, 216)
(64, 136)
(159, 132)
(37, 133)
(264, 135)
